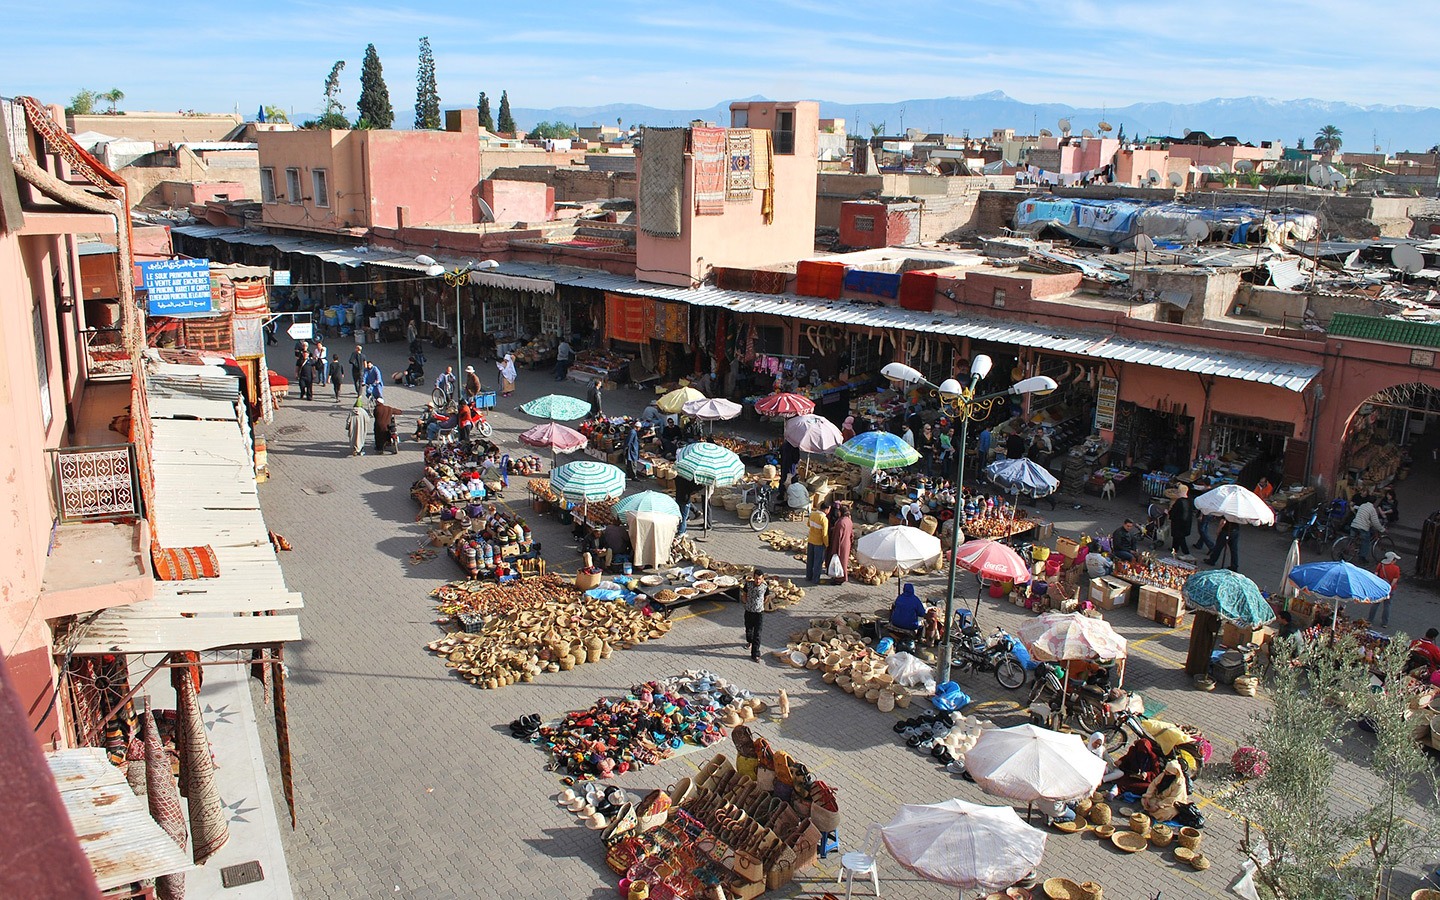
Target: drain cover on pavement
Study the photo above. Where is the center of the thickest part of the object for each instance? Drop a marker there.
(317, 489)
(291, 429)
(242, 873)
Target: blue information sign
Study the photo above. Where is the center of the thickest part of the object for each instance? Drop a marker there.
(177, 287)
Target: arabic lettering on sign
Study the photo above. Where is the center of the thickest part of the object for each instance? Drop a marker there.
(177, 286)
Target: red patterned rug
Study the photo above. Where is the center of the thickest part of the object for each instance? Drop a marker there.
(184, 563)
(711, 162)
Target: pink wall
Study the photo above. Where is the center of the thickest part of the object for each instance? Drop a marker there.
(307, 151)
(1215, 156)
(1131, 166)
(519, 201)
(435, 175)
(1094, 153)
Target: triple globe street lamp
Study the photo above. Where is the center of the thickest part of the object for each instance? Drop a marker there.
(961, 402)
(455, 278)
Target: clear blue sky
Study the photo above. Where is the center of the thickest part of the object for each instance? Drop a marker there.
(215, 57)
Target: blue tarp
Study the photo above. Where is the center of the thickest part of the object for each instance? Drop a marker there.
(1116, 223)
(881, 284)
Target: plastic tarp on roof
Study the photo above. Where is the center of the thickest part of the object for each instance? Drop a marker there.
(1115, 223)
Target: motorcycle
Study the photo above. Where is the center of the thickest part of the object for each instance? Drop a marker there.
(971, 652)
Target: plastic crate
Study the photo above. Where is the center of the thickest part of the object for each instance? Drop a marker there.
(485, 400)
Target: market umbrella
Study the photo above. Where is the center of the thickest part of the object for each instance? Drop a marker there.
(964, 845)
(1022, 476)
(812, 434)
(1026, 763)
(557, 406)
(898, 547)
(784, 403)
(877, 450)
(1229, 595)
(992, 560)
(1340, 581)
(708, 465)
(675, 401)
(587, 479)
(1292, 559)
(647, 502)
(712, 409)
(556, 438)
(1054, 637)
(1235, 504)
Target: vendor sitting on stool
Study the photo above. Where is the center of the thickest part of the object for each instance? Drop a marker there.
(1125, 541)
(908, 611)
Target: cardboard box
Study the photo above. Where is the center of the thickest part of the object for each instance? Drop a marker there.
(1234, 635)
(1170, 621)
(1155, 600)
(1108, 593)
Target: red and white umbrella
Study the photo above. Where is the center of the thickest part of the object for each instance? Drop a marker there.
(992, 560)
(785, 404)
(813, 434)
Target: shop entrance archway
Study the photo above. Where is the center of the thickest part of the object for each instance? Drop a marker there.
(1387, 431)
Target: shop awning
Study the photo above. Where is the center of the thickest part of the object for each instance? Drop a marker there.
(513, 282)
(123, 843)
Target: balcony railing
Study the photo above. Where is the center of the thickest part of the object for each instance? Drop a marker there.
(106, 357)
(94, 483)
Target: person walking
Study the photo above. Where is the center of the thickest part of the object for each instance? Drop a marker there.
(357, 367)
(755, 591)
(307, 378)
(842, 534)
(684, 494)
(358, 426)
(1203, 524)
(507, 374)
(337, 376)
(1228, 536)
(818, 543)
(472, 383)
(1182, 519)
(1389, 570)
(564, 355)
(596, 398)
(322, 362)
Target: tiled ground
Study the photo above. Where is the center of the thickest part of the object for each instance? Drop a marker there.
(408, 783)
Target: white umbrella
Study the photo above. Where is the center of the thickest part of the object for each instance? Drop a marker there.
(1061, 636)
(813, 434)
(1292, 559)
(712, 409)
(1025, 763)
(898, 547)
(1235, 504)
(964, 845)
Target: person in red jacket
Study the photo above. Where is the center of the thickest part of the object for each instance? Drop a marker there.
(469, 418)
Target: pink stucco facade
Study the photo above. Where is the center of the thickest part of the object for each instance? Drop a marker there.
(518, 201)
(741, 237)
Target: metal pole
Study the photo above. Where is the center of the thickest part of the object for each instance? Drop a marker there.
(945, 658)
(459, 349)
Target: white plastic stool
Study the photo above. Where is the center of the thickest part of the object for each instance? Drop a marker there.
(862, 862)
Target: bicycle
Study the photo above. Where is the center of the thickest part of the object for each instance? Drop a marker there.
(442, 398)
(1324, 525)
(1347, 548)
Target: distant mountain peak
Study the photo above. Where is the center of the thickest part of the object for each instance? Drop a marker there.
(993, 96)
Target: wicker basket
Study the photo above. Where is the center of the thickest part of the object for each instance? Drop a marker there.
(1161, 835)
(1140, 823)
(1189, 838)
(1100, 814)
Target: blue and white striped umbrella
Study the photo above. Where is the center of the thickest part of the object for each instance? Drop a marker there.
(709, 464)
(877, 450)
(557, 406)
(587, 480)
(647, 501)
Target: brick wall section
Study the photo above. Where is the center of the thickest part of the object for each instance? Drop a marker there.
(573, 185)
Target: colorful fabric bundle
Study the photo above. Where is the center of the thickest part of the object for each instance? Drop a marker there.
(250, 297)
(209, 823)
(767, 282)
(164, 801)
(881, 284)
(662, 181)
(184, 563)
(917, 290)
(739, 176)
(707, 147)
(817, 278)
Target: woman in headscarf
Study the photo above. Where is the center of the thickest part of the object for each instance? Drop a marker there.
(507, 375)
(358, 427)
(842, 532)
(1165, 793)
(847, 430)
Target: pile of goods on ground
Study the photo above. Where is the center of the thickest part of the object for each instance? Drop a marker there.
(946, 736)
(517, 630)
(782, 591)
(834, 647)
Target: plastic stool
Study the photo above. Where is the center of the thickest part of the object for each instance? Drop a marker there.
(829, 843)
(862, 862)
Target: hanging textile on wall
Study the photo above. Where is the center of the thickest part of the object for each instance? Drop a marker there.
(662, 181)
(762, 164)
(739, 176)
(251, 298)
(917, 290)
(769, 282)
(708, 149)
(630, 319)
(672, 322)
(815, 278)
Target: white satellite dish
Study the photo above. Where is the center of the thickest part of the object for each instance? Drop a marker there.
(486, 213)
(1087, 133)
(1407, 259)
(1318, 175)
(1176, 179)
(1244, 165)
(1104, 127)
(1045, 132)
(1196, 230)
(1152, 176)
(1064, 126)
(1338, 181)
(1143, 243)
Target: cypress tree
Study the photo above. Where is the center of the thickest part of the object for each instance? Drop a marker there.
(427, 96)
(506, 122)
(374, 106)
(487, 121)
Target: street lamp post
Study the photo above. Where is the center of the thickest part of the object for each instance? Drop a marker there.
(455, 278)
(961, 402)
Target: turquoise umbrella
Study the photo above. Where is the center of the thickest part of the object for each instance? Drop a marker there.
(709, 464)
(1229, 595)
(557, 406)
(586, 480)
(647, 501)
(877, 450)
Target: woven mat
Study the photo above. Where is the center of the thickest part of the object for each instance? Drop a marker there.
(708, 148)
(739, 176)
(662, 181)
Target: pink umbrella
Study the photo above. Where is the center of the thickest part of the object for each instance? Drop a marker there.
(555, 437)
(992, 560)
(785, 404)
(813, 434)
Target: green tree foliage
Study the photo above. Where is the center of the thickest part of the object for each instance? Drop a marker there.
(1300, 144)
(83, 103)
(505, 124)
(333, 118)
(427, 95)
(374, 104)
(487, 121)
(113, 97)
(556, 129)
(1327, 139)
(275, 114)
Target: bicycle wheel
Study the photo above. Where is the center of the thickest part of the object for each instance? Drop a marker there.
(760, 517)
(1383, 544)
(1010, 673)
(439, 398)
(1088, 716)
(1344, 548)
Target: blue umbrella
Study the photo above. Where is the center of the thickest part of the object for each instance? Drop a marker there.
(877, 450)
(1022, 476)
(1229, 595)
(1340, 580)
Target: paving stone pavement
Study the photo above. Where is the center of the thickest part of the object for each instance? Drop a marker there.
(408, 783)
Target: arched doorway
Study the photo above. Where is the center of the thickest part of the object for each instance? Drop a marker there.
(1387, 431)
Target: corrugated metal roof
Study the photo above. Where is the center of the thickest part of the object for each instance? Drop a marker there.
(185, 407)
(1391, 331)
(123, 843)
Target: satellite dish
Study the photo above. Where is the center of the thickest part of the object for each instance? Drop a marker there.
(1144, 243)
(1064, 126)
(1176, 179)
(1104, 126)
(1407, 259)
(1318, 175)
(486, 213)
(1152, 176)
(1045, 132)
(1196, 230)
(1244, 165)
(1087, 133)
(1338, 181)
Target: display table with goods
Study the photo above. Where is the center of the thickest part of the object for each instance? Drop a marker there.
(681, 585)
(1105, 475)
(496, 544)
(524, 466)
(747, 827)
(540, 351)
(599, 365)
(1160, 571)
(521, 629)
(781, 592)
(751, 451)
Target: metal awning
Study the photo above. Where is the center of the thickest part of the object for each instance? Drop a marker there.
(123, 843)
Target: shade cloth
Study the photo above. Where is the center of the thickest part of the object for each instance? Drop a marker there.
(1061, 636)
(813, 434)
(674, 402)
(784, 403)
(709, 464)
(1022, 476)
(651, 536)
(992, 560)
(1026, 763)
(647, 502)
(712, 409)
(556, 406)
(1229, 595)
(898, 547)
(1235, 504)
(917, 291)
(964, 845)
(877, 450)
(587, 480)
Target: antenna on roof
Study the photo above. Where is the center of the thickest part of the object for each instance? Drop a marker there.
(1407, 259)
(1104, 127)
(1045, 132)
(1152, 177)
(1197, 230)
(1064, 127)
(1087, 133)
(1176, 179)
(1318, 176)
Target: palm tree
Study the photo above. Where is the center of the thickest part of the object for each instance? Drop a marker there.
(113, 97)
(1327, 140)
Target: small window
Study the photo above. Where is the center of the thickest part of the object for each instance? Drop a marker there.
(267, 185)
(785, 132)
(292, 185)
(864, 223)
(998, 298)
(740, 118)
(321, 181)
